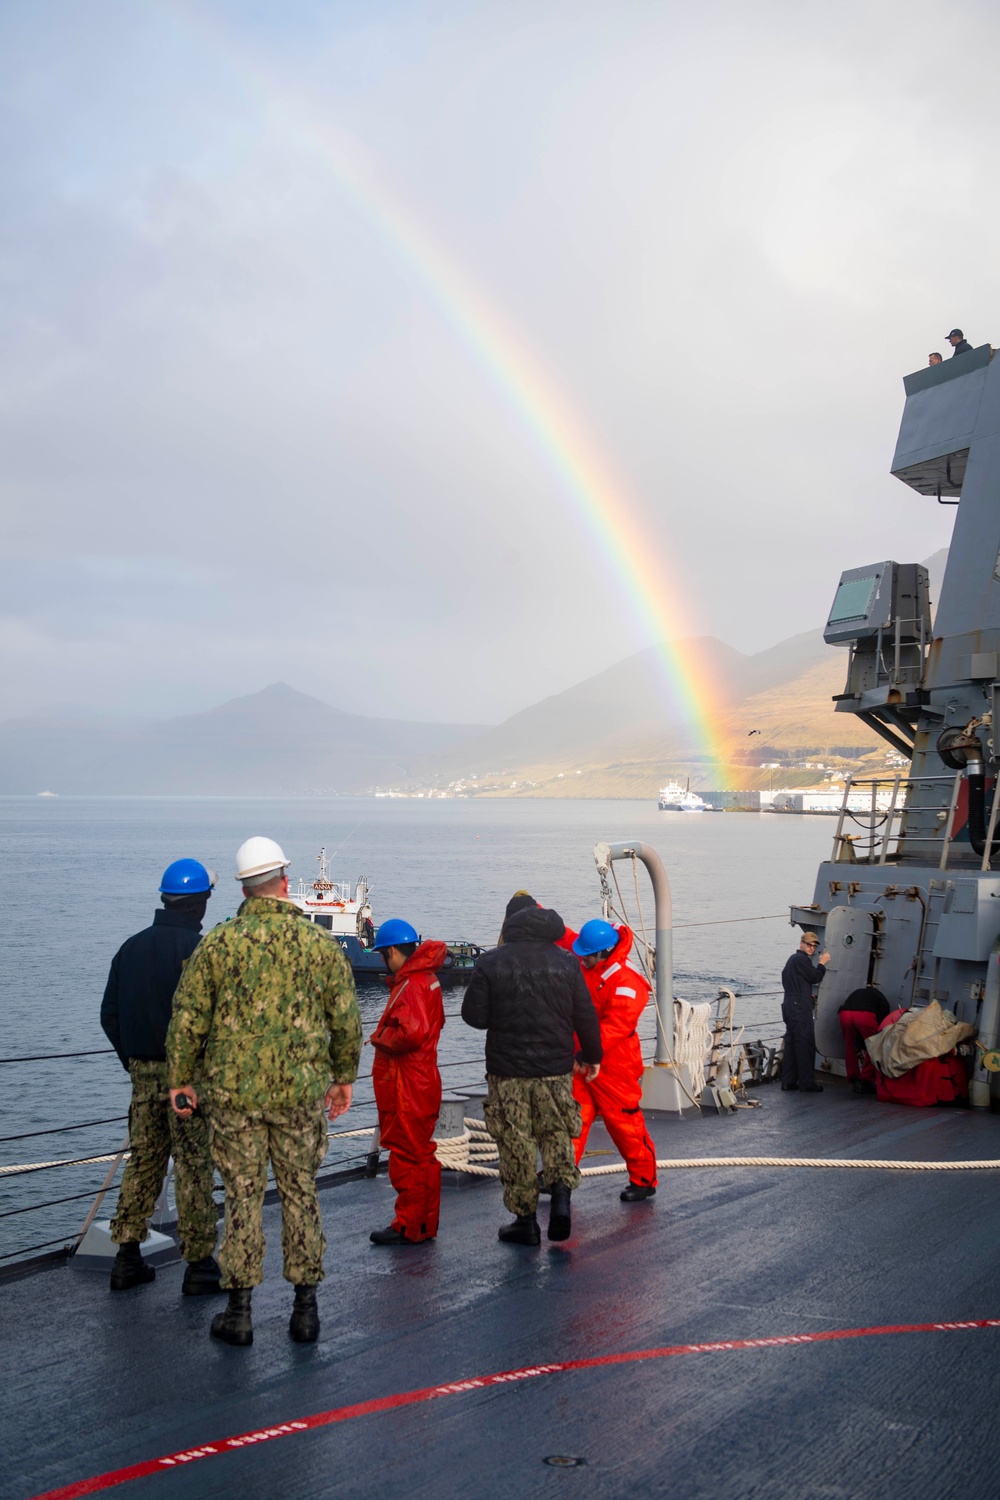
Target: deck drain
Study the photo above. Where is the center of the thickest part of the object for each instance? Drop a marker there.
(564, 1461)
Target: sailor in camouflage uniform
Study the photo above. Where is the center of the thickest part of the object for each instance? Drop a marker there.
(135, 1014)
(528, 995)
(265, 1016)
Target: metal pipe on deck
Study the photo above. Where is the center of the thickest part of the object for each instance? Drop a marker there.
(662, 1087)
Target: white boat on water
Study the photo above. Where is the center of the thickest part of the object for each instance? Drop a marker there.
(346, 914)
(677, 798)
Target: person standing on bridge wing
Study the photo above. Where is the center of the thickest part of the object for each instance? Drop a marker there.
(799, 978)
(266, 1015)
(407, 1081)
(620, 995)
(135, 1014)
(529, 997)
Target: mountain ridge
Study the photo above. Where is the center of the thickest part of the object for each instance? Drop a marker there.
(621, 732)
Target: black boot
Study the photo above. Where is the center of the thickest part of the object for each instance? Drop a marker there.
(391, 1236)
(303, 1326)
(559, 1220)
(201, 1277)
(636, 1193)
(523, 1231)
(234, 1326)
(129, 1268)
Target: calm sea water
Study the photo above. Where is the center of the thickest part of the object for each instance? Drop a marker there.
(79, 875)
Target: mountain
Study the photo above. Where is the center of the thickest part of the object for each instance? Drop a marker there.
(624, 731)
(620, 733)
(269, 743)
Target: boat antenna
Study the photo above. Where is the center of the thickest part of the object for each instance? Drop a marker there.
(344, 840)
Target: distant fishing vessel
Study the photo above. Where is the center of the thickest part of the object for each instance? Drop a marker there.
(346, 915)
(677, 798)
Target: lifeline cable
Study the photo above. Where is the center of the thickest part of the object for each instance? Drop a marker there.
(107, 1481)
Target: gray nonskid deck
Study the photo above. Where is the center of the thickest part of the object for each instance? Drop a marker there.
(104, 1381)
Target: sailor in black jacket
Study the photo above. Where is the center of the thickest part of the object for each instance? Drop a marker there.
(135, 1014)
(798, 979)
(530, 998)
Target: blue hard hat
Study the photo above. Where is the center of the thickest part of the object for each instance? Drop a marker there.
(596, 936)
(394, 933)
(186, 877)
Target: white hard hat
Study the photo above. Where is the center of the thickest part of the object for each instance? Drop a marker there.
(257, 856)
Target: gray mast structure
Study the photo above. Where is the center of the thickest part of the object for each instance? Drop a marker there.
(909, 898)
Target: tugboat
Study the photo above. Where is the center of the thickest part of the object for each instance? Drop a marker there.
(347, 916)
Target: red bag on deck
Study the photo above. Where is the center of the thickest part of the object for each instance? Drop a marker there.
(938, 1080)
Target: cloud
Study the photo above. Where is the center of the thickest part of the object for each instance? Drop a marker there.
(241, 440)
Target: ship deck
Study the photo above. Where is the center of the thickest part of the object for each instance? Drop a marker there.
(821, 1293)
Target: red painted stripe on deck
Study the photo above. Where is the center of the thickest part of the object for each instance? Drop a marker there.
(476, 1383)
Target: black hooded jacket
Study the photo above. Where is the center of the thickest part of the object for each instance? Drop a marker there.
(139, 996)
(530, 997)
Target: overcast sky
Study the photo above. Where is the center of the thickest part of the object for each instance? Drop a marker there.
(241, 439)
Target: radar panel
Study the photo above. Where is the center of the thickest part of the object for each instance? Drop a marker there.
(854, 598)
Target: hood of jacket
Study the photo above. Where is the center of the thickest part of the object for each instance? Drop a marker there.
(430, 955)
(535, 924)
(620, 952)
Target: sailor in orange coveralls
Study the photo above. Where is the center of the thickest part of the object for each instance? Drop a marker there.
(620, 995)
(407, 1081)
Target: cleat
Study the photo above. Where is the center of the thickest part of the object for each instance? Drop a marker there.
(523, 1231)
(129, 1268)
(234, 1326)
(303, 1326)
(391, 1236)
(636, 1193)
(201, 1277)
(559, 1218)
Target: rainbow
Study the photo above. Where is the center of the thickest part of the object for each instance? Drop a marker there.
(599, 496)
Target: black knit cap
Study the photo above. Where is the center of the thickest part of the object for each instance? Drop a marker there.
(518, 902)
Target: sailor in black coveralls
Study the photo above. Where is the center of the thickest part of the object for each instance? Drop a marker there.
(798, 978)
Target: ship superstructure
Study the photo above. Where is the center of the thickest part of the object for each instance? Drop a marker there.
(909, 897)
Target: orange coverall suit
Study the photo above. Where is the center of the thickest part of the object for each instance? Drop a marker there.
(408, 1089)
(620, 995)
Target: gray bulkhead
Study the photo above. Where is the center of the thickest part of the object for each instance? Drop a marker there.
(905, 898)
